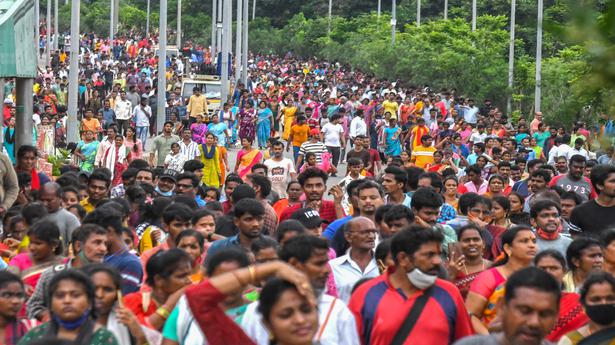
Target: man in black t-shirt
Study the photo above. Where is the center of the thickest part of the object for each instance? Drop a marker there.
(595, 216)
(359, 152)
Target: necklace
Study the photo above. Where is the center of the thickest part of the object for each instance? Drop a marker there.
(465, 269)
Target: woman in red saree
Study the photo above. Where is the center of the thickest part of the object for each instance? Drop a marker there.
(467, 260)
(571, 315)
(247, 157)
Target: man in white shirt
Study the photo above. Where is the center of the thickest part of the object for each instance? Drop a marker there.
(280, 169)
(333, 137)
(123, 112)
(358, 125)
(141, 115)
(578, 149)
(188, 148)
(359, 261)
(471, 113)
(337, 324)
(561, 148)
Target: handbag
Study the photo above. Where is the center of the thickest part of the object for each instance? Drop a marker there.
(412, 318)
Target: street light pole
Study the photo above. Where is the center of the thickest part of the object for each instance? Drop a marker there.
(537, 96)
(511, 55)
(445, 9)
(473, 15)
(418, 12)
(329, 22)
(219, 26)
(147, 19)
(162, 66)
(48, 45)
(244, 44)
(111, 14)
(72, 133)
(227, 36)
(56, 34)
(253, 9)
(379, 8)
(238, 40)
(393, 22)
(179, 24)
(214, 22)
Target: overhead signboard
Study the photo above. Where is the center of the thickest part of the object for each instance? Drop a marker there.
(18, 48)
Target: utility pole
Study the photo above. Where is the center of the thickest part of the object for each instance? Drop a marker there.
(48, 45)
(418, 13)
(219, 26)
(146, 19)
(393, 22)
(214, 22)
(253, 9)
(511, 55)
(111, 14)
(162, 66)
(445, 9)
(179, 24)
(473, 15)
(329, 22)
(379, 8)
(56, 34)
(537, 96)
(116, 15)
(72, 134)
(244, 44)
(37, 31)
(238, 40)
(227, 36)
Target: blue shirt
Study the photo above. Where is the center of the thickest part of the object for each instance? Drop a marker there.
(217, 246)
(130, 269)
(330, 231)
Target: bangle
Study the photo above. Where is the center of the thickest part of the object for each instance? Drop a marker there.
(252, 271)
(163, 312)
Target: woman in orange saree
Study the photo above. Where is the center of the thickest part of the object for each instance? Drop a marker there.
(247, 157)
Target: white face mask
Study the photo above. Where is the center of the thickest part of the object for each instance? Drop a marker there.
(420, 279)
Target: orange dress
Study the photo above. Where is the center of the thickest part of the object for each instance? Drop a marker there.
(222, 154)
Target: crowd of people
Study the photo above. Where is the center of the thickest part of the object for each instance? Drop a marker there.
(358, 211)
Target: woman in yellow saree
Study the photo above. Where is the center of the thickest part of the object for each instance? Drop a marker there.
(290, 112)
(211, 160)
(247, 157)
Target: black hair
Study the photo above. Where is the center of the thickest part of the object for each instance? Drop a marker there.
(531, 277)
(412, 238)
(270, 294)
(354, 161)
(508, 237)
(473, 169)
(191, 233)
(33, 211)
(200, 213)
(502, 201)
(262, 182)
(577, 159)
(551, 253)
(381, 212)
(68, 179)
(24, 178)
(353, 186)
(75, 276)
(193, 165)
(260, 166)
(23, 149)
(7, 277)
(185, 200)
(468, 227)
(214, 206)
(99, 175)
(608, 237)
(532, 163)
(570, 195)
(150, 212)
(543, 204)
(138, 164)
(48, 232)
(544, 173)
(105, 217)
(383, 250)
(398, 212)
(241, 192)
(176, 211)
(599, 175)
(263, 242)
(91, 269)
(230, 255)
(248, 206)
(399, 174)
(301, 247)
(413, 177)
(426, 197)
(466, 201)
(164, 263)
(367, 184)
(576, 248)
(289, 225)
(312, 173)
(593, 279)
(188, 175)
(83, 233)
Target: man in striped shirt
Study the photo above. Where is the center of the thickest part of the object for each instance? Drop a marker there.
(188, 148)
(312, 145)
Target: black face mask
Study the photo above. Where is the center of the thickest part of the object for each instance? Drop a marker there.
(602, 314)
